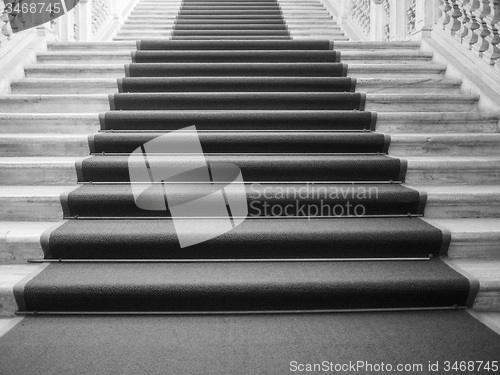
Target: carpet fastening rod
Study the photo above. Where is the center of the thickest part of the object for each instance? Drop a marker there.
(76, 217)
(239, 153)
(237, 182)
(242, 260)
(235, 131)
(252, 312)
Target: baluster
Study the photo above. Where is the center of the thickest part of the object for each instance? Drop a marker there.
(445, 13)
(492, 54)
(472, 36)
(4, 21)
(483, 12)
(464, 20)
(454, 25)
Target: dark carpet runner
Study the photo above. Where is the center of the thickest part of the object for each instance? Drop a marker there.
(336, 285)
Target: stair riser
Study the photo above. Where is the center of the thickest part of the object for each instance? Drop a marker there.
(63, 88)
(444, 149)
(40, 147)
(378, 105)
(463, 209)
(30, 209)
(109, 88)
(126, 59)
(118, 72)
(70, 124)
(440, 176)
(64, 174)
(77, 147)
(30, 174)
(86, 46)
(306, 17)
(290, 11)
(40, 72)
(56, 105)
(49, 209)
(475, 247)
(101, 104)
(159, 24)
(128, 46)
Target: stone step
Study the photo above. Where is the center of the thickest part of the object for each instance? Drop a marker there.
(109, 85)
(402, 145)
(438, 122)
(20, 240)
(421, 102)
(162, 34)
(388, 122)
(308, 36)
(472, 238)
(438, 170)
(426, 70)
(89, 46)
(115, 57)
(37, 171)
(73, 123)
(168, 23)
(128, 26)
(54, 103)
(445, 144)
(486, 271)
(45, 144)
(64, 86)
(128, 46)
(31, 203)
(10, 275)
(162, 26)
(461, 201)
(408, 85)
(42, 203)
(374, 102)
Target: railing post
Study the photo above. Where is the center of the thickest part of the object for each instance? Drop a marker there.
(378, 20)
(343, 11)
(84, 21)
(426, 15)
(397, 20)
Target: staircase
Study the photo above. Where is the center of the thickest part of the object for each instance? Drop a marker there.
(451, 146)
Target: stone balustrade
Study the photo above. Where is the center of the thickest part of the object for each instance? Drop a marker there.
(472, 23)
